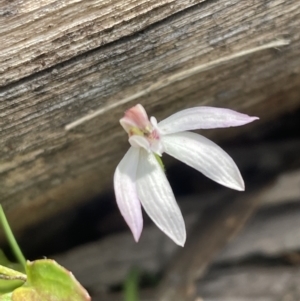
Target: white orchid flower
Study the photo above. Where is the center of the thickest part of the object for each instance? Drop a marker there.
(140, 178)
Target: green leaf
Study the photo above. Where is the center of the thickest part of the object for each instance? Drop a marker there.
(48, 281)
(9, 285)
(10, 274)
(6, 297)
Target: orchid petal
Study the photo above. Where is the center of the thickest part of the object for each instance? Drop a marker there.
(126, 194)
(135, 117)
(203, 118)
(205, 156)
(157, 198)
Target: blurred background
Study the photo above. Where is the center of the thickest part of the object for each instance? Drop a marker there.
(61, 61)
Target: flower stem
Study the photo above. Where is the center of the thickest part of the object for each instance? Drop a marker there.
(160, 162)
(131, 286)
(11, 239)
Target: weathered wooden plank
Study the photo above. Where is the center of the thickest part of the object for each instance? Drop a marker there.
(44, 168)
(36, 35)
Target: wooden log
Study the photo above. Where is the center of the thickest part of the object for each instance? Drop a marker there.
(38, 35)
(60, 60)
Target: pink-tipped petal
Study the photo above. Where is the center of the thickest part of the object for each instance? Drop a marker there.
(205, 156)
(157, 198)
(203, 118)
(127, 124)
(135, 117)
(126, 193)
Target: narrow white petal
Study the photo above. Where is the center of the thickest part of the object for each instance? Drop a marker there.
(157, 198)
(126, 193)
(205, 156)
(203, 118)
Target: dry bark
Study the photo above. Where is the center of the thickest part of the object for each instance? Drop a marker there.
(40, 34)
(63, 59)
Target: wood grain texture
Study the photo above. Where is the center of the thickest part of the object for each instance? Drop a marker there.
(46, 85)
(36, 35)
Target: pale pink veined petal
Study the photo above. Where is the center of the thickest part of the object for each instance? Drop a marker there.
(126, 193)
(157, 198)
(205, 156)
(203, 118)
